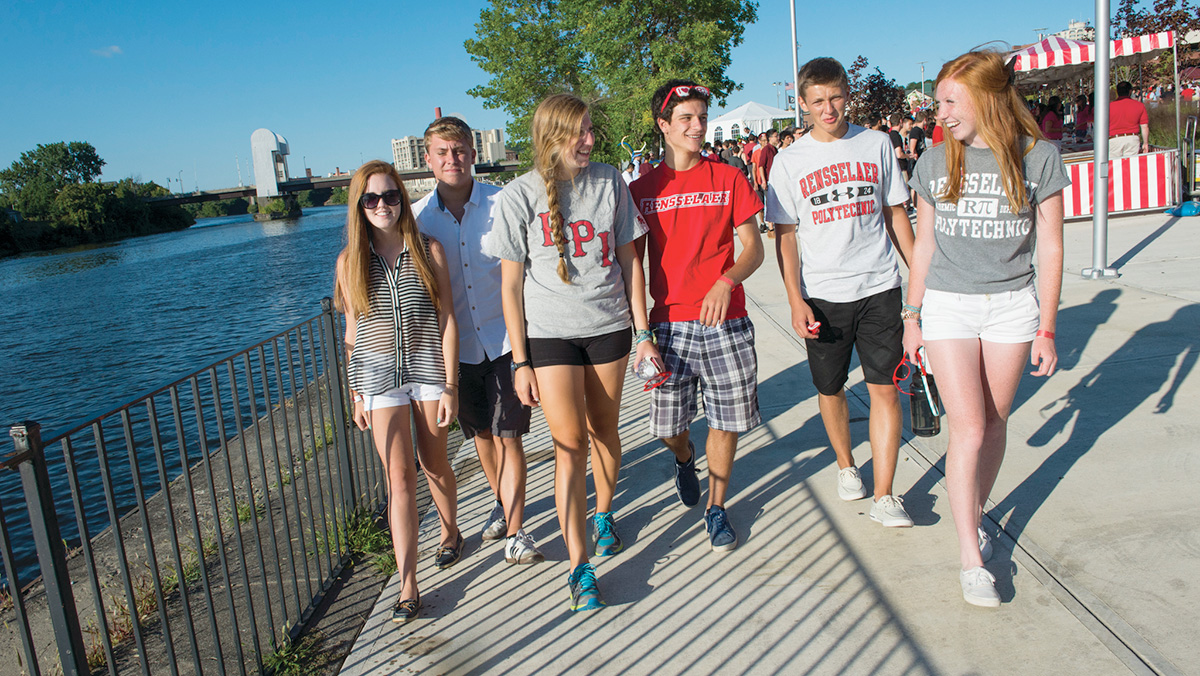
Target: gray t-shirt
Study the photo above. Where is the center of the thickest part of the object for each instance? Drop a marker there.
(981, 246)
(836, 194)
(598, 217)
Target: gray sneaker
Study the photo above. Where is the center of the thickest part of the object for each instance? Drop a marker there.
(496, 526)
(850, 485)
(979, 587)
(520, 548)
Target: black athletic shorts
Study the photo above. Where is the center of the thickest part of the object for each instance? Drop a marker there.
(487, 401)
(603, 349)
(870, 325)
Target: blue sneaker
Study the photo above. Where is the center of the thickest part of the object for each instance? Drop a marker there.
(687, 484)
(585, 594)
(604, 534)
(720, 533)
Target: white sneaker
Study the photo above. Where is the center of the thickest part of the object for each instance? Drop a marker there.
(520, 548)
(496, 526)
(979, 587)
(985, 545)
(850, 485)
(889, 511)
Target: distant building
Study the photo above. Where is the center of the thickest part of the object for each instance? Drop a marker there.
(408, 153)
(1078, 30)
(489, 145)
(269, 152)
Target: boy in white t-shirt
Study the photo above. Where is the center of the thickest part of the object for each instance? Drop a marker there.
(840, 193)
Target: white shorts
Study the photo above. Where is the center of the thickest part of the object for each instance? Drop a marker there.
(403, 396)
(1005, 317)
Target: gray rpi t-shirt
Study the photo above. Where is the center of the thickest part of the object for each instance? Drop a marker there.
(981, 245)
(598, 216)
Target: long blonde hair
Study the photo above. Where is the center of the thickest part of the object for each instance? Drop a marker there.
(1001, 120)
(351, 283)
(555, 130)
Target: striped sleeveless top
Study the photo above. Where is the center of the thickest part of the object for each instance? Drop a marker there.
(399, 342)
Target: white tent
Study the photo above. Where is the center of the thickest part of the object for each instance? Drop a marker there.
(746, 118)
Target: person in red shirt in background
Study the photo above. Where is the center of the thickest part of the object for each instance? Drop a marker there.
(1128, 125)
(699, 320)
(1051, 123)
(764, 156)
(1083, 117)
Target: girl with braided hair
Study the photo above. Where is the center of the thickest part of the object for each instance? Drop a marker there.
(571, 285)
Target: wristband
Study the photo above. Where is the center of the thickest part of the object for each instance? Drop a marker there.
(914, 308)
(727, 280)
(642, 335)
(1045, 334)
(521, 364)
(357, 397)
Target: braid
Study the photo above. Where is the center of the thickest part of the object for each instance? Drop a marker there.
(556, 227)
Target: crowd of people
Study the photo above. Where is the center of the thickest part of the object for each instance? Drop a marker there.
(481, 303)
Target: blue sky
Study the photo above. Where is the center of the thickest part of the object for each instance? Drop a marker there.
(162, 88)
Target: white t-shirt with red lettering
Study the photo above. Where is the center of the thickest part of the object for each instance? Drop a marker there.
(692, 216)
(836, 193)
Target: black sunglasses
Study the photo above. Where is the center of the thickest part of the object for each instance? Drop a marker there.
(370, 200)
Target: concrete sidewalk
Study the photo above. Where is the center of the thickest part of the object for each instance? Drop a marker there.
(1096, 565)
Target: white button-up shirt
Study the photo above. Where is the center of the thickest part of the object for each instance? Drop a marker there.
(474, 275)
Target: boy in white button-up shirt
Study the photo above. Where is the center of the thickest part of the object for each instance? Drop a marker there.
(458, 213)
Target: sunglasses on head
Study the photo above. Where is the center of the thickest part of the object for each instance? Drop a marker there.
(370, 200)
(683, 91)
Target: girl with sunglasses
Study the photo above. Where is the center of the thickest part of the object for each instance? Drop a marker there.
(986, 197)
(570, 276)
(402, 343)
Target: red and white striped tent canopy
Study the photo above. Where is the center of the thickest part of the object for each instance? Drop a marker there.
(1055, 59)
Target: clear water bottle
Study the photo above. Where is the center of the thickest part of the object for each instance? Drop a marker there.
(924, 404)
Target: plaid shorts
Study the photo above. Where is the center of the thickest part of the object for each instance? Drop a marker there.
(718, 359)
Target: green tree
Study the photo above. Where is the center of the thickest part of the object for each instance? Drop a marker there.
(338, 195)
(872, 94)
(613, 55)
(33, 182)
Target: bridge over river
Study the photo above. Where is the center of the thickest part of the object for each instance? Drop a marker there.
(296, 185)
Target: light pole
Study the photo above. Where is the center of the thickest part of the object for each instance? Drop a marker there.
(305, 159)
(1038, 31)
(180, 181)
(776, 85)
(922, 76)
(795, 65)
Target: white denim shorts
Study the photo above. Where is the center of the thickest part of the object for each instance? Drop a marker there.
(1005, 317)
(403, 396)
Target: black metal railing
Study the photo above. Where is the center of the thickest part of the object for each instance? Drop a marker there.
(194, 529)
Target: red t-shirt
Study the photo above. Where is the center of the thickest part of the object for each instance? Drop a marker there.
(748, 149)
(692, 216)
(1052, 126)
(936, 137)
(765, 158)
(1125, 116)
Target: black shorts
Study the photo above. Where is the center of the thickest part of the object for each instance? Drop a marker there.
(487, 400)
(602, 349)
(870, 325)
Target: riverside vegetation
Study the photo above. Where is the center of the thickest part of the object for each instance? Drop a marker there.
(50, 198)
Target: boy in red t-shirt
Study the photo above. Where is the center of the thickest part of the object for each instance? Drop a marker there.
(699, 318)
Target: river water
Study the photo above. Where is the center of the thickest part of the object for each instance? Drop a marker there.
(88, 329)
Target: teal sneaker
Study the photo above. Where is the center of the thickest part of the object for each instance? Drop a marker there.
(585, 593)
(604, 534)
